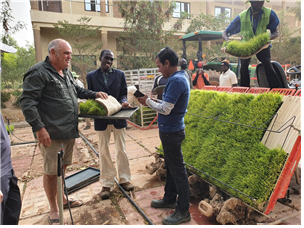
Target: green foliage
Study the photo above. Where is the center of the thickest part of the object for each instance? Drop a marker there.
(144, 35)
(286, 48)
(233, 153)
(209, 22)
(296, 10)
(10, 128)
(91, 107)
(81, 37)
(15, 65)
(5, 96)
(16, 93)
(246, 48)
(17, 102)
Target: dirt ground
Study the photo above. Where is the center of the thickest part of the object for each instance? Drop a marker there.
(11, 112)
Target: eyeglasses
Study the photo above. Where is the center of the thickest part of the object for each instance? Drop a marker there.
(108, 58)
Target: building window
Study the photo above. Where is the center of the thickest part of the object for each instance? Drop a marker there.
(181, 7)
(92, 5)
(52, 6)
(107, 6)
(219, 10)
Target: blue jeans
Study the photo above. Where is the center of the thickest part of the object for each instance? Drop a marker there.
(177, 183)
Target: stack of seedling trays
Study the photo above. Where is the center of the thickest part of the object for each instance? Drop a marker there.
(223, 145)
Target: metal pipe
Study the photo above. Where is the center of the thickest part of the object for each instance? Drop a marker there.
(15, 144)
(59, 190)
(134, 204)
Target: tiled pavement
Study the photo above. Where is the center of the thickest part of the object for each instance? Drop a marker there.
(117, 210)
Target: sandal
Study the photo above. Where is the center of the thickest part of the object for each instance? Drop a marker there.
(52, 221)
(72, 204)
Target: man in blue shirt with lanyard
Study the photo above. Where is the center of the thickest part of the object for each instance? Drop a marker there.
(171, 112)
(251, 22)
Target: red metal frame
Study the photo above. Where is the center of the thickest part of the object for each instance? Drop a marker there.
(209, 88)
(257, 90)
(239, 89)
(145, 128)
(283, 91)
(285, 176)
(223, 88)
(298, 93)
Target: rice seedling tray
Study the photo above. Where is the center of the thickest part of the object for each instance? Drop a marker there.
(224, 49)
(124, 113)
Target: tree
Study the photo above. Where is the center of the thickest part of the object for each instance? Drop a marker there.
(80, 36)
(144, 34)
(286, 48)
(296, 10)
(15, 65)
(7, 19)
(209, 23)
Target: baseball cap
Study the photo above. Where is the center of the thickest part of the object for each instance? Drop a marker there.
(75, 75)
(225, 63)
(200, 65)
(7, 49)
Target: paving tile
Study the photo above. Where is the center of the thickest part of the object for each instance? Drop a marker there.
(22, 151)
(21, 166)
(34, 199)
(129, 211)
(144, 198)
(139, 134)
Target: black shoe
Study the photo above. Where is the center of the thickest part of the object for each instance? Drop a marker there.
(160, 204)
(177, 218)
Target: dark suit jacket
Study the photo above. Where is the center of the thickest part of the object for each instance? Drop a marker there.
(117, 87)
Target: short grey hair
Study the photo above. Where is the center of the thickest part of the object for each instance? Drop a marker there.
(54, 44)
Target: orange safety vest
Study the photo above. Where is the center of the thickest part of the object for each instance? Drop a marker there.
(200, 81)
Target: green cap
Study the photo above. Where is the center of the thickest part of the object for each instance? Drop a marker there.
(258, 0)
(75, 75)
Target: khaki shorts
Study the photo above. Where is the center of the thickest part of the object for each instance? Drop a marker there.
(50, 155)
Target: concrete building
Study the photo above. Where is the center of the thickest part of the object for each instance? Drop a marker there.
(45, 13)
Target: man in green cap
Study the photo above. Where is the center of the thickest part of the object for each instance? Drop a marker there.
(252, 22)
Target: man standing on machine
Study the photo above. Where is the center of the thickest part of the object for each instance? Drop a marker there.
(252, 22)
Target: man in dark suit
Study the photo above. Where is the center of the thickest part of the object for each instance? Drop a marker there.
(112, 82)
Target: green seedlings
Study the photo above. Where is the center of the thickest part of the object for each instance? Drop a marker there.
(246, 48)
(229, 152)
(11, 127)
(91, 107)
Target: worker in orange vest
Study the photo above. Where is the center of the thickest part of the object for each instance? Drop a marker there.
(200, 79)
